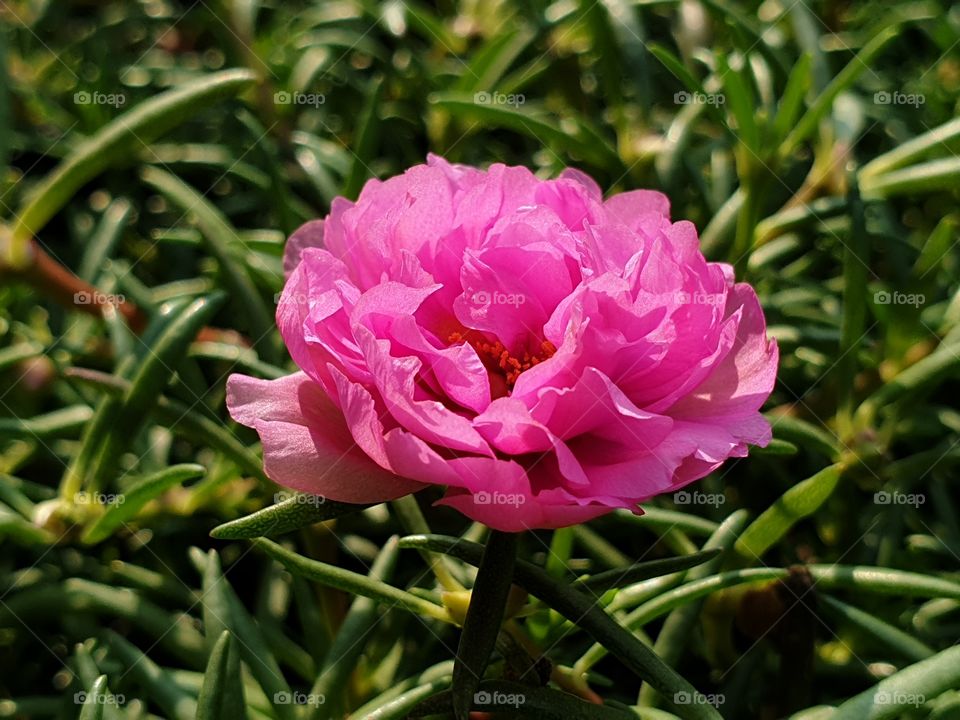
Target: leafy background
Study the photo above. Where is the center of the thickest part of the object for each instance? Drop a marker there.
(162, 151)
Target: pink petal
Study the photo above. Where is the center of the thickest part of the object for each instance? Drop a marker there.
(497, 493)
(306, 444)
(398, 451)
(395, 379)
(307, 235)
(508, 426)
(636, 207)
(589, 184)
(743, 381)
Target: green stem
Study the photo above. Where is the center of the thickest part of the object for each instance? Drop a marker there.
(856, 259)
(747, 220)
(410, 516)
(488, 601)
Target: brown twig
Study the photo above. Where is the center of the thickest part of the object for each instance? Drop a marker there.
(58, 283)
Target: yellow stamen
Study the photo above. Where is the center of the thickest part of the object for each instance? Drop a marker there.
(498, 359)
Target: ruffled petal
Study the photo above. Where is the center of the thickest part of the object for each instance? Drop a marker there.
(306, 443)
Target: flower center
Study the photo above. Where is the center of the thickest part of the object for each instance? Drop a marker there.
(498, 360)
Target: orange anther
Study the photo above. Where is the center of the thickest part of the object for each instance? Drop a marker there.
(498, 359)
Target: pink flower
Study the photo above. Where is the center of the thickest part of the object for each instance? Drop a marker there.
(545, 354)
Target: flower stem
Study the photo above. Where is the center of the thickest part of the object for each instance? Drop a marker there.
(57, 282)
(46, 275)
(484, 618)
(412, 520)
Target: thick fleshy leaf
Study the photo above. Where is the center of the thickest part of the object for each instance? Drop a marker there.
(95, 700)
(500, 696)
(159, 685)
(902, 643)
(351, 582)
(297, 511)
(582, 610)
(218, 232)
(352, 638)
(679, 624)
(223, 611)
(221, 695)
(116, 143)
(137, 496)
(182, 419)
(167, 339)
(58, 423)
(800, 501)
(904, 690)
(635, 572)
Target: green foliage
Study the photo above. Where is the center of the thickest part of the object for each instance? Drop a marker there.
(162, 152)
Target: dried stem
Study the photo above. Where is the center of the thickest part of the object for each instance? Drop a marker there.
(62, 286)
